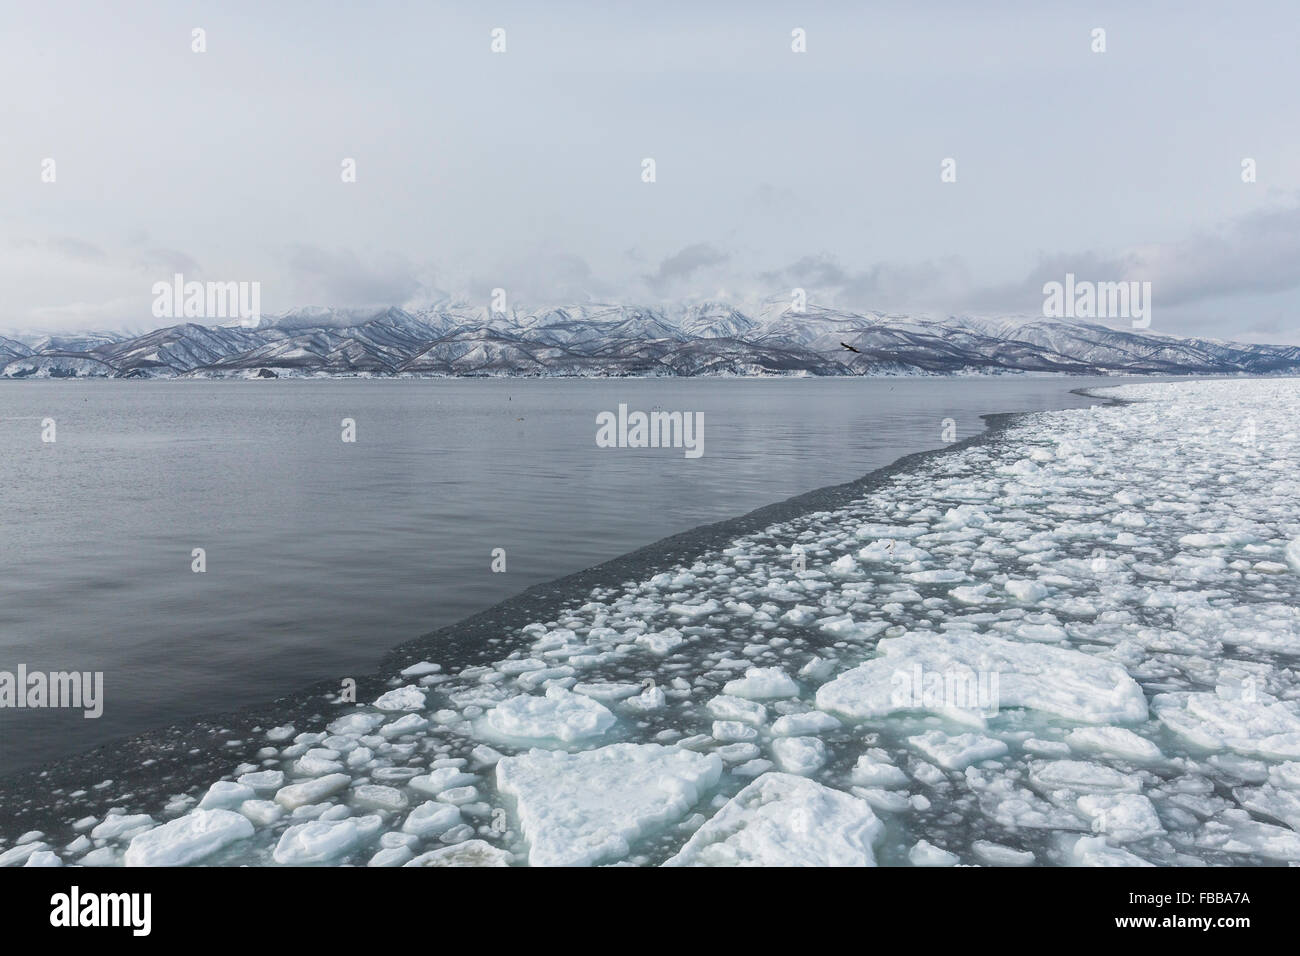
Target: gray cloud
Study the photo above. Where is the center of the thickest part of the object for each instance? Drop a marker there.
(75, 248)
(164, 262)
(1257, 253)
(817, 171)
(684, 264)
(1026, 295)
(919, 286)
(818, 272)
(541, 277)
(1253, 255)
(339, 277)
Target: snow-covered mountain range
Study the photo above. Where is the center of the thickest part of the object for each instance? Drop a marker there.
(709, 338)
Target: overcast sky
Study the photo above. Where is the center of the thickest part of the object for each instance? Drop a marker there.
(523, 170)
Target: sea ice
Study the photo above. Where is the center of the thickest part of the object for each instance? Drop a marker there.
(1114, 742)
(1121, 817)
(587, 808)
(469, 853)
(1080, 776)
(762, 683)
(322, 841)
(801, 755)
(225, 795)
(812, 722)
(785, 820)
(725, 707)
(431, 818)
(409, 697)
(1216, 721)
(186, 840)
(560, 715)
(874, 770)
(1002, 610)
(959, 752)
(1095, 851)
(307, 792)
(1055, 680)
(925, 853)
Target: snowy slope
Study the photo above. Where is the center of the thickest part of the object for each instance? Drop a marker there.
(709, 338)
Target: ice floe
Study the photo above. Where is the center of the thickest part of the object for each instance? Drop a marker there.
(1074, 643)
(965, 676)
(192, 838)
(785, 820)
(560, 715)
(585, 808)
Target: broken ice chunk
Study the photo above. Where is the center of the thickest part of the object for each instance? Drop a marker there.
(966, 676)
(959, 752)
(785, 820)
(587, 808)
(762, 683)
(188, 839)
(560, 715)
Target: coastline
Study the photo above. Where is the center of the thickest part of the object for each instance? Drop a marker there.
(150, 766)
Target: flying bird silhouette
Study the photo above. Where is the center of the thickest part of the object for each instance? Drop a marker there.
(849, 347)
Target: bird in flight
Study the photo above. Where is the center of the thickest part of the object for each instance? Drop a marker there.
(850, 347)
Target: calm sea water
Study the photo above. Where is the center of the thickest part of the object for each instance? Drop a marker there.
(322, 554)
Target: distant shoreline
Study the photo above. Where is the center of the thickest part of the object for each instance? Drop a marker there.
(710, 376)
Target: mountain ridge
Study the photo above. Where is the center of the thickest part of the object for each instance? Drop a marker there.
(594, 339)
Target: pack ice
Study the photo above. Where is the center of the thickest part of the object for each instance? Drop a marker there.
(1073, 643)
